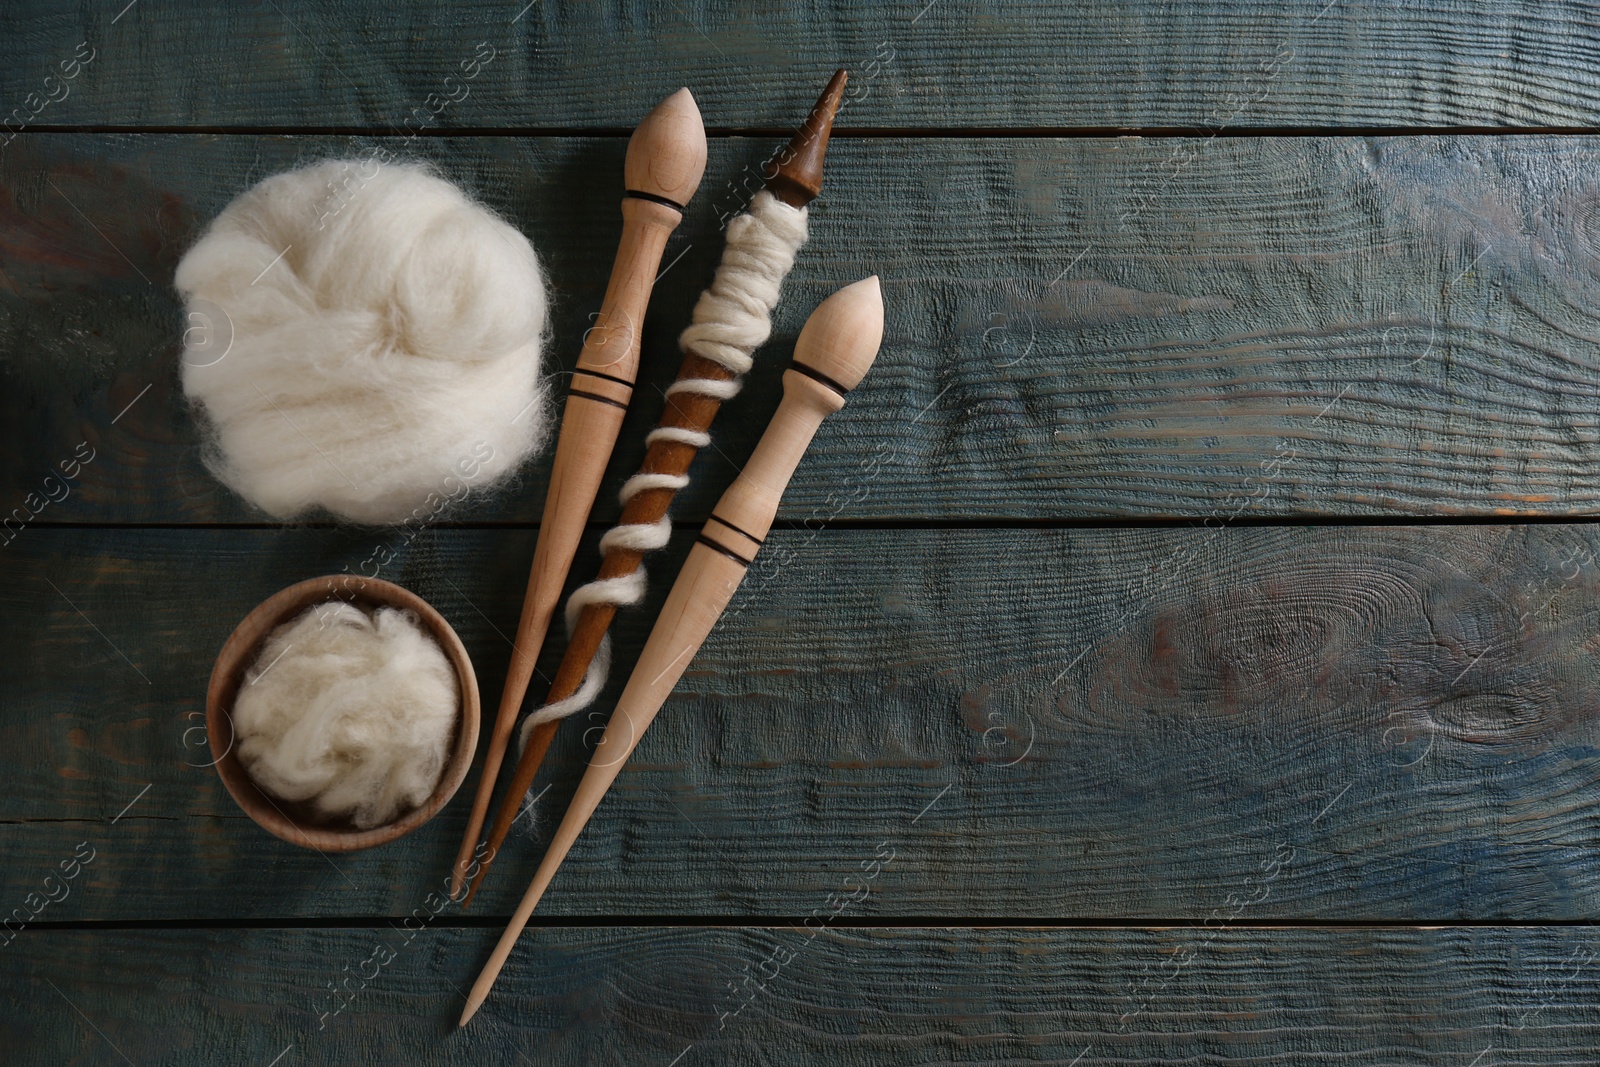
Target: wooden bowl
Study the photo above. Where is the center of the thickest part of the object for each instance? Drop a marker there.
(295, 823)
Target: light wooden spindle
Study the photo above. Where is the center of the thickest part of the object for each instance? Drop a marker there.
(666, 157)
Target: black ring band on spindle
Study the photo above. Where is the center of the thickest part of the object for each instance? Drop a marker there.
(730, 553)
(596, 396)
(817, 376)
(654, 199)
(742, 533)
(607, 377)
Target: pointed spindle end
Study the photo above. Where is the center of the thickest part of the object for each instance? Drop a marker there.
(472, 888)
(841, 338)
(795, 174)
(667, 152)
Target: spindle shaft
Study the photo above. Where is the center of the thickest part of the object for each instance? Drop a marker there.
(665, 159)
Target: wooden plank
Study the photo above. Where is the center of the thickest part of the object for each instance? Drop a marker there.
(1076, 328)
(1054, 723)
(852, 997)
(915, 65)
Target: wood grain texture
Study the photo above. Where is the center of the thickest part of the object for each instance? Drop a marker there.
(851, 997)
(915, 64)
(1060, 724)
(1289, 327)
(1201, 731)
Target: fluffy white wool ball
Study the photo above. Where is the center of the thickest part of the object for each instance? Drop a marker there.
(363, 338)
(350, 711)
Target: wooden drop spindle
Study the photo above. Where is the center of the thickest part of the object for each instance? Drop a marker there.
(666, 157)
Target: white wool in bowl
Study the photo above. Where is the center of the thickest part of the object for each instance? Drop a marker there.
(365, 339)
(353, 712)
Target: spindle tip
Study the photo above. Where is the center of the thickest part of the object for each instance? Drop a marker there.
(841, 338)
(481, 988)
(667, 152)
(795, 174)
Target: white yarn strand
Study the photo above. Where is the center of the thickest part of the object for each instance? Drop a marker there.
(731, 320)
(628, 589)
(706, 387)
(678, 434)
(644, 537)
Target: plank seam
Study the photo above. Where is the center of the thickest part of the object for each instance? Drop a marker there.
(857, 133)
(806, 525)
(764, 922)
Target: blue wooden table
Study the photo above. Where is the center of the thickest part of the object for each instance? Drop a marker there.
(1183, 649)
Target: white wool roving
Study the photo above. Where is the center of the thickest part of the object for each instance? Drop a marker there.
(350, 711)
(386, 334)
